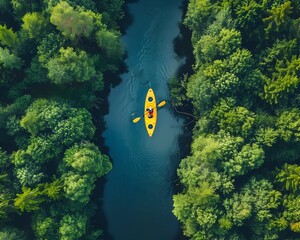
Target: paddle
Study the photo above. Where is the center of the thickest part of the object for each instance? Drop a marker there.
(162, 103)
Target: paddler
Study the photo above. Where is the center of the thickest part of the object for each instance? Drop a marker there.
(150, 112)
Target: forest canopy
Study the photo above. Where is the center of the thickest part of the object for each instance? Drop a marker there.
(55, 57)
(241, 180)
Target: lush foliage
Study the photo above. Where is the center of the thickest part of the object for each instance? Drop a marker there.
(242, 178)
(53, 59)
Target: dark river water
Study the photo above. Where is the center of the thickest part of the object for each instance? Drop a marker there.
(137, 199)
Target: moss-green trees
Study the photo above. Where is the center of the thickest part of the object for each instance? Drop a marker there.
(245, 94)
(52, 58)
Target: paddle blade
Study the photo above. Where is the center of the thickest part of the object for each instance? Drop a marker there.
(136, 119)
(162, 103)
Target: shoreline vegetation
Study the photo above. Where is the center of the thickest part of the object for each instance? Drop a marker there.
(55, 59)
(242, 178)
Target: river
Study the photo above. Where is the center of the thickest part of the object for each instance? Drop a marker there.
(137, 200)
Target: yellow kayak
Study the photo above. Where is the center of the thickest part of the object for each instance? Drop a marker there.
(150, 119)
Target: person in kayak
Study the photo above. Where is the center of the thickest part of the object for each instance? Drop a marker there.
(150, 112)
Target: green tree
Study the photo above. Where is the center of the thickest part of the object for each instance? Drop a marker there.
(87, 159)
(279, 17)
(48, 48)
(211, 47)
(199, 14)
(291, 211)
(29, 174)
(238, 208)
(4, 160)
(248, 15)
(238, 121)
(45, 227)
(33, 24)
(280, 50)
(72, 226)
(71, 66)
(73, 24)
(29, 200)
(78, 127)
(234, 76)
(257, 199)
(195, 210)
(17, 108)
(206, 149)
(53, 190)
(58, 119)
(289, 177)
(54, 125)
(288, 124)
(8, 37)
(285, 80)
(266, 136)
(177, 90)
(34, 74)
(250, 157)
(110, 43)
(9, 60)
(78, 187)
(202, 93)
(6, 200)
(42, 149)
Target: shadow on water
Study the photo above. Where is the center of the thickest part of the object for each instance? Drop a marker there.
(183, 46)
(127, 19)
(99, 220)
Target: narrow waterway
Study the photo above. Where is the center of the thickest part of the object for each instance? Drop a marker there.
(137, 199)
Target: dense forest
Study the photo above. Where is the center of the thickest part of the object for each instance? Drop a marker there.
(55, 60)
(242, 178)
